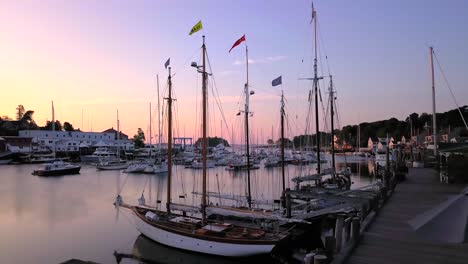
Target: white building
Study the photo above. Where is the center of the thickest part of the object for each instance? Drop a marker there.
(71, 140)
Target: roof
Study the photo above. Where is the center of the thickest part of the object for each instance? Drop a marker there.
(112, 130)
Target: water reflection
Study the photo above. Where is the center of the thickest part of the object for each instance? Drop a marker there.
(56, 219)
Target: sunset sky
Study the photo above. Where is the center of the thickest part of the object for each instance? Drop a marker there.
(93, 58)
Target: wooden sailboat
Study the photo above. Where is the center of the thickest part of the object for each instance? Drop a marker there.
(199, 234)
(335, 180)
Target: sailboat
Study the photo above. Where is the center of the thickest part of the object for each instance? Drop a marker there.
(240, 164)
(159, 165)
(334, 179)
(198, 233)
(57, 167)
(109, 164)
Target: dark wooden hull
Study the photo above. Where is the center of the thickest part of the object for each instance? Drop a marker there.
(59, 172)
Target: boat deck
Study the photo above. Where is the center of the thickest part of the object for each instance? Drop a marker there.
(391, 239)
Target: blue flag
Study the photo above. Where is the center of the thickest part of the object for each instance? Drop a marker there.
(276, 81)
(167, 63)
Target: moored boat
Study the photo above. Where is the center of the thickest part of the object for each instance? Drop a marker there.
(57, 168)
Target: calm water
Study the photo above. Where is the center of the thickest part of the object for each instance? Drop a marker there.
(51, 220)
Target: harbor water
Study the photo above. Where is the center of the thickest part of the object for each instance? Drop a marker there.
(54, 219)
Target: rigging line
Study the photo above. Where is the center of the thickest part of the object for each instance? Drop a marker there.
(450, 89)
(184, 65)
(324, 47)
(144, 186)
(121, 188)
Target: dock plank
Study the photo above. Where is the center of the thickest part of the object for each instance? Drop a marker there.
(390, 238)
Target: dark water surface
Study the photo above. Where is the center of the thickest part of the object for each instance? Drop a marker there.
(51, 220)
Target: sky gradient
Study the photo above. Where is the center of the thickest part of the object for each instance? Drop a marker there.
(94, 57)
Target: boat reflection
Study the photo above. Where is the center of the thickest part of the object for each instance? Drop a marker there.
(150, 252)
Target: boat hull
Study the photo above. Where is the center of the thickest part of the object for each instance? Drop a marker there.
(61, 172)
(112, 167)
(199, 245)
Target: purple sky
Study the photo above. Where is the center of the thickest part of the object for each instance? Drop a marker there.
(94, 57)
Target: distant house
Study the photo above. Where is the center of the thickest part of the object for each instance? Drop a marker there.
(16, 144)
(112, 130)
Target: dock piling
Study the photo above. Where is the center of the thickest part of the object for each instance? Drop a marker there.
(339, 232)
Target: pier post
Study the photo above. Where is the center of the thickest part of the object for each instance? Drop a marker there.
(356, 228)
(320, 259)
(288, 204)
(330, 243)
(309, 258)
(339, 232)
(347, 229)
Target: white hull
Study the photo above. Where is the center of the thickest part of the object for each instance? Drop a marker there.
(199, 245)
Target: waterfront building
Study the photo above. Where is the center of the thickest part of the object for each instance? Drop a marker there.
(71, 141)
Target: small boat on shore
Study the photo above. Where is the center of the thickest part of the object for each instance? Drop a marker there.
(57, 168)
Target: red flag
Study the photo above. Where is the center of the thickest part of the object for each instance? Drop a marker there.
(239, 41)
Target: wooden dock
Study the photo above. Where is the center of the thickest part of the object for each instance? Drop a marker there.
(391, 239)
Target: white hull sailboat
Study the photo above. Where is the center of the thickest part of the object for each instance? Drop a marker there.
(212, 239)
(198, 233)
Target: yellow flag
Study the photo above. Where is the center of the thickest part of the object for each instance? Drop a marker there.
(196, 28)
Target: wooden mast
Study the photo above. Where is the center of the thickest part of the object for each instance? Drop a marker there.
(316, 79)
(159, 117)
(118, 135)
(282, 140)
(246, 110)
(204, 125)
(434, 122)
(150, 131)
(169, 143)
(332, 113)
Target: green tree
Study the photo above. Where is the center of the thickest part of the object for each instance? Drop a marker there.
(270, 141)
(287, 143)
(68, 127)
(212, 142)
(139, 139)
(27, 121)
(48, 126)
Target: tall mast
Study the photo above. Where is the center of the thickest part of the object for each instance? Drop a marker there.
(169, 142)
(159, 115)
(53, 124)
(332, 113)
(204, 122)
(246, 110)
(53, 117)
(150, 130)
(434, 122)
(282, 140)
(316, 79)
(118, 134)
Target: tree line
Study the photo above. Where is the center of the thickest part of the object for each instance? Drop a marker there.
(25, 121)
(414, 124)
